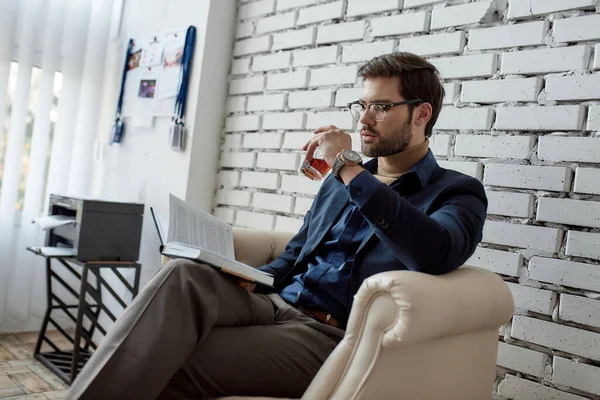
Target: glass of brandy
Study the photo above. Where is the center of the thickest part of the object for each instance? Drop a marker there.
(317, 168)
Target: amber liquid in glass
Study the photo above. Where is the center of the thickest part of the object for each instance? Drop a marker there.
(315, 169)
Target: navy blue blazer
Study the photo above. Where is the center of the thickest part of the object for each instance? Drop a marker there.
(429, 220)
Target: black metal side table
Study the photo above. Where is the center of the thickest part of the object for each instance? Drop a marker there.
(66, 364)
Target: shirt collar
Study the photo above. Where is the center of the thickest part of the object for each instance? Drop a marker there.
(423, 169)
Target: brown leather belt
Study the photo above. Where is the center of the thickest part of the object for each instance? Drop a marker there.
(323, 317)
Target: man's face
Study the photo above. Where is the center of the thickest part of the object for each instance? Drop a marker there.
(394, 133)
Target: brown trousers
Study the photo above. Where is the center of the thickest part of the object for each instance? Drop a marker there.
(194, 333)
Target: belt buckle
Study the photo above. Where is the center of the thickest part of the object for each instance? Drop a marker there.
(327, 318)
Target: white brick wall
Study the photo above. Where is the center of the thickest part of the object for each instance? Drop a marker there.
(528, 177)
(521, 113)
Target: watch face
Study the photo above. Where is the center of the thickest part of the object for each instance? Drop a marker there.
(352, 156)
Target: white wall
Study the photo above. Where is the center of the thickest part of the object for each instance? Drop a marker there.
(143, 168)
(522, 114)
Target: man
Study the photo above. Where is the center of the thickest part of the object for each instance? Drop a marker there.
(195, 333)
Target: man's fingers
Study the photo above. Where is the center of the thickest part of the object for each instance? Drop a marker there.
(310, 147)
(325, 129)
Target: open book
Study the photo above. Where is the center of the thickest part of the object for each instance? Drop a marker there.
(197, 235)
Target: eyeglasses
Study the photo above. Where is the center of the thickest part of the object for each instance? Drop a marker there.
(377, 110)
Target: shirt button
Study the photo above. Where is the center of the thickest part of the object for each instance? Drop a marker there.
(379, 220)
(358, 192)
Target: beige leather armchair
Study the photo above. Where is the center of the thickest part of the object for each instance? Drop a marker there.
(410, 336)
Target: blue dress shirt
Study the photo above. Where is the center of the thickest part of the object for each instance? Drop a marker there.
(429, 220)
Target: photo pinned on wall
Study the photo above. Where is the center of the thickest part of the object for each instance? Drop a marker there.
(134, 60)
(172, 59)
(152, 54)
(143, 110)
(147, 88)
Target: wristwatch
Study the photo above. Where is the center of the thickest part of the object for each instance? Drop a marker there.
(345, 157)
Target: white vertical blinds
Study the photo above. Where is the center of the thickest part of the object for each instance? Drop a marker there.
(36, 160)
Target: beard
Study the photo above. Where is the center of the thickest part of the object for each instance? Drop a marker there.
(393, 142)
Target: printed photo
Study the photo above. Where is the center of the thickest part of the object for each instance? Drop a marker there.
(134, 60)
(173, 57)
(147, 88)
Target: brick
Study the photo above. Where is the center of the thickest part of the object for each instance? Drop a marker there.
(532, 299)
(536, 118)
(402, 24)
(521, 359)
(283, 161)
(432, 45)
(510, 204)
(321, 13)
(277, 22)
(597, 56)
(583, 244)
(440, 144)
(569, 212)
(296, 140)
(242, 123)
(345, 96)
(299, 184)
(302, 205)
(451, 92)
(500, 37)
(271, 62)
(236, 104)
(254, 220)
(577, 29)
(547, 240)
(419, 3)
(247, 85)
(532, 8)
(266, 102)
(464, 14)
(262, 180)
(593, 122)
(587, 180)
(453, 118)
(262, 140)
(499, 91)
(470, 168)
(478, 66)
(287, 224)
(289, 120)
(556, 179)
(287, 80)
(333, 76)
(283, 5)
(576, 375)
(546, 60)
(294, 39)
(500, 262)
(273, 202)
(558, 337)
(341, 32)
(311, 99)
(563, 148)
(228, 179)
(340, 119)
(251, 46)
(366, 51)
(256, 9)
(244, 29)
(565, 273)
(240, 66)
(360, 7)
(233, 141)
(520, 389)
(517, 147)
(578, 87)
(233, 197)
(320, 56)
(225, 214)
(581, 310)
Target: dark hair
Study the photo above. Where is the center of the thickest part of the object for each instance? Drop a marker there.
(419, 79)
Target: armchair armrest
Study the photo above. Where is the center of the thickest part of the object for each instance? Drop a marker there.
(402, 309)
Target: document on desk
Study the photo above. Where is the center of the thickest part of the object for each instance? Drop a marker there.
(197, 235)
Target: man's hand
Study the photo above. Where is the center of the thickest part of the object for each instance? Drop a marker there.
(330, 140)
(250, 287)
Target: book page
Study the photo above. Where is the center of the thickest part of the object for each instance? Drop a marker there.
(194, 227)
